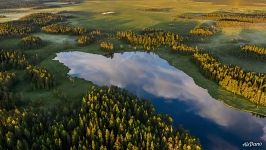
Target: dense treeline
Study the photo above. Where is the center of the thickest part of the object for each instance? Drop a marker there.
(251, 85)
(201, 32)
(9, 60)
(15, 28)
(16, 4)
(28, 24)
(229, 19)
(31, 42)
(40, 77)
(12, 59)
(108, 118)
(185, 49)
(85, 39)
(43, 19)
(253, 49)
(105, 45)
(17, 60)
(6, 79)
(8, 4)
(63, 28)
(7, 99)
(89, 38)
(150, 40)
(229, 16)
(204, 31)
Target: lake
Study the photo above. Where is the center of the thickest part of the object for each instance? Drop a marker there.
(172, 92)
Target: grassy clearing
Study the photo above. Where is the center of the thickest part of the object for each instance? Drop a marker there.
(129, 15)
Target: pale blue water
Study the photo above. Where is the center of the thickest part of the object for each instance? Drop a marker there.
(172, 92)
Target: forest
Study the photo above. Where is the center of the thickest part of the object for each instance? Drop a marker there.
(253, 49)
(228, 19)
(108, 118)
(151, 40)
(28, 24)
(15, 29)
(16, 60)
(62, 28)
(205, 30)
(250, 85)
(229, 16)
(31, 42)
(105, 45)
(10, 60)
(88, 38)
(28, 3)
(40, 77)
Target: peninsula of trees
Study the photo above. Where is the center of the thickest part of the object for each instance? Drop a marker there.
(251, 85)
(253, 49)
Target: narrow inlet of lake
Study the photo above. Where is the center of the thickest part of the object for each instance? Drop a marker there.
(172, 92)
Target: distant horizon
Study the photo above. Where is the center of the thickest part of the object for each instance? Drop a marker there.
(233, 2)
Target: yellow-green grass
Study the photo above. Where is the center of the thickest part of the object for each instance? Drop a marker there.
(131, 14)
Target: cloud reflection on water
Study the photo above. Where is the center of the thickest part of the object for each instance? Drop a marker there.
(155, 76)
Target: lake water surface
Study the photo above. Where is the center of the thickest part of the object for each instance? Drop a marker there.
(172, 92)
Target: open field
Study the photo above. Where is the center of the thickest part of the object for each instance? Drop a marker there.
(130, 14)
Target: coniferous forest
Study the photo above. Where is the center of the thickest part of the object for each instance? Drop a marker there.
(108, 118)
